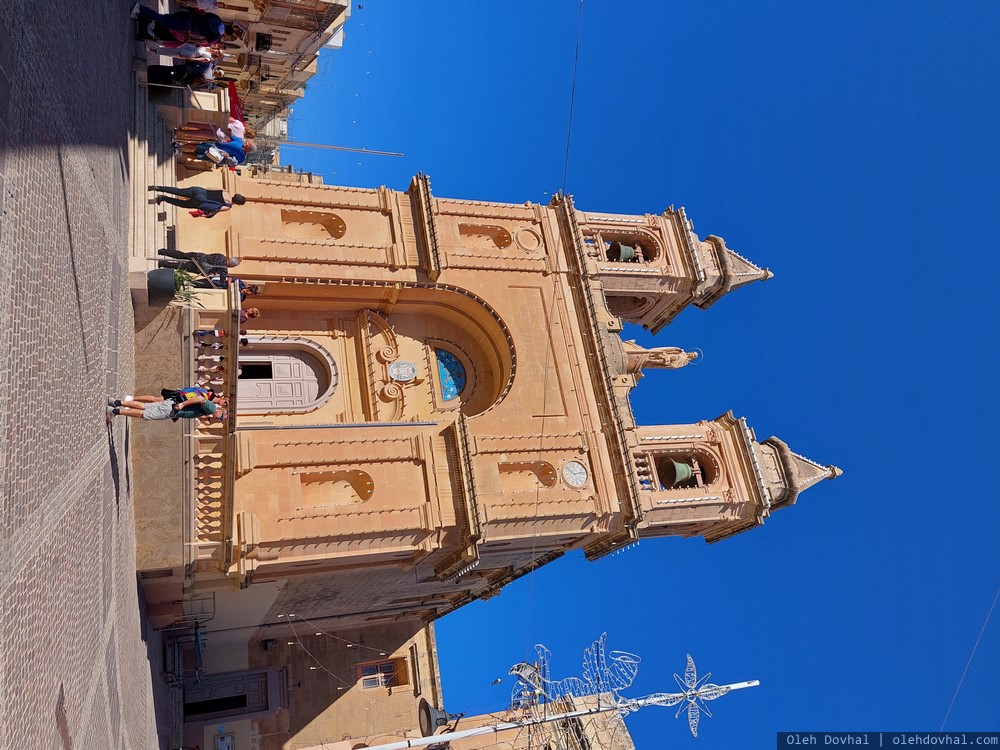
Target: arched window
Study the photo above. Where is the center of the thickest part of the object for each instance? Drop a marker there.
(629, 250)
(451, 374)
(685, 471)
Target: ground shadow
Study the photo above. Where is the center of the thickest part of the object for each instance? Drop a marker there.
(113, 460)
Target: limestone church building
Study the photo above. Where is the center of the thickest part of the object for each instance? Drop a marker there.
(434, 402)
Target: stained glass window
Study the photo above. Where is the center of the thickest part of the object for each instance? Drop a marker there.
(451, 373)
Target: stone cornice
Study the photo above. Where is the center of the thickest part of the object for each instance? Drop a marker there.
(466, 557)
(745, 442)
(610, 414)
(420, 188)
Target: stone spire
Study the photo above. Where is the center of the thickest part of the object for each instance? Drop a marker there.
(735, 271)
(792, 473)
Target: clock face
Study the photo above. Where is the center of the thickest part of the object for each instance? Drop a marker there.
(574, 473)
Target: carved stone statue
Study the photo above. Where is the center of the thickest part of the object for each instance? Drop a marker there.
(665, 357)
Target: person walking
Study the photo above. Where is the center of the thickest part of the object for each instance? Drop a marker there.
(206, 263)
(205, 202)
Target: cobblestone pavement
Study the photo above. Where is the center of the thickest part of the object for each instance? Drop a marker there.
(74, 671)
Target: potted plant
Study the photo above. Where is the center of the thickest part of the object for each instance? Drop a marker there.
(184, 292)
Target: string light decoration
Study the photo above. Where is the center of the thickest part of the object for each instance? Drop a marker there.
(607, 674)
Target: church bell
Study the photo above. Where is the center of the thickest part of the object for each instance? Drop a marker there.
(622, 253)
(673, 473)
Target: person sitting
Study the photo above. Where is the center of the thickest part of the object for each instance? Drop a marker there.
(197, 132)
(183, 26)
(205, 5)
(168, 27)
(246, 290)
(235, 148)
(180, 395)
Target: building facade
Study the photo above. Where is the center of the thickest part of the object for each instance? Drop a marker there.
(279, 52)
(435, 402)
(436, 399)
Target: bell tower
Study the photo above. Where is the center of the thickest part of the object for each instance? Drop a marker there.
(649, 268)
(715, 479)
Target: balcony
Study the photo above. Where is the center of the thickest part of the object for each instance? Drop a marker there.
(210, 449)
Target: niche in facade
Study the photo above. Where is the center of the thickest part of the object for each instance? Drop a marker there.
(484, 236)
(525, 476)
(332, 488)
(627, 307)
(312, 225)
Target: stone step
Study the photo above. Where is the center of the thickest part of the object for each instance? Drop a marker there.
(152, 163)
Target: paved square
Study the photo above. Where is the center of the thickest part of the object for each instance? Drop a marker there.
(74, 671)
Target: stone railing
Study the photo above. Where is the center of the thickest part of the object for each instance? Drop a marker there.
(213, 443)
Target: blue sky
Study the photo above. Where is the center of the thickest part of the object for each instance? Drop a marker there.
(853, 149)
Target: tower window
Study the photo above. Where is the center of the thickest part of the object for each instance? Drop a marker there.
(628, 250)
(451, 373)
(686, 471)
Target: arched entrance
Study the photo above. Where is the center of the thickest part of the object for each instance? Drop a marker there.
(280, 376)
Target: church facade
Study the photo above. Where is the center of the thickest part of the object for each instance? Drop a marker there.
(433, 402)
(435, 398)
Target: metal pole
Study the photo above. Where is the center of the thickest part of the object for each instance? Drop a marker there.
(284, 142)
(657, 699)
(493, 728)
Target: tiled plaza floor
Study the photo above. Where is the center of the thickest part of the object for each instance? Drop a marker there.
(74, 670)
